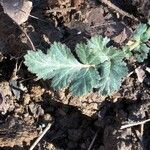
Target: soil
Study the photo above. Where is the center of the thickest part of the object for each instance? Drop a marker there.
(90, 122)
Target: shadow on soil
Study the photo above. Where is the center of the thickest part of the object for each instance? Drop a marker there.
(72, 130)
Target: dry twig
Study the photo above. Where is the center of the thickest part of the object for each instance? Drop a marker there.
(60, 10)
(114, 7)
(30, 41)
(134, 124)
(40, 137)
(95, 136)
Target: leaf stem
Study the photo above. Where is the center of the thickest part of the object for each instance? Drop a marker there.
(88, 65)
(134, 45)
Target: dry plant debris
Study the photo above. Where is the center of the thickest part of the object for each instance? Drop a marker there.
(77, 122)
(17, 10)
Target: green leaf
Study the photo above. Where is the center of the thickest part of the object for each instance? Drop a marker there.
(141, 52)
(127, 52)
(139, 49)
(138, 35)
(87, 79)
(111, 73)
(46, 66)
(61, 66)
(98, 66)
(95, 52)
(146, 35)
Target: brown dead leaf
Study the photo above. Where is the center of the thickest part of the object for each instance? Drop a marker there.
(121, 37)
(140, 74)
(95, 17)
(17, 10)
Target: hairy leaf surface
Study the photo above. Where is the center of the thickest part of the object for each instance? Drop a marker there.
(112, 72)
(141, 52)
(61, 66)
(138, 45)
(140, 31)
(94, 52)
(99, 67)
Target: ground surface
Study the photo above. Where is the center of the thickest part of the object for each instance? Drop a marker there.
(28, 105)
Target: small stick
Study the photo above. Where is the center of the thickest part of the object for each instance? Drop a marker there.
(114, 7)
(130, 73)
(38, 18)
(31, 43)
(134, 124)
(17, 68)
(60, 9)
(34, 16)
(94, 138)
(31, 78)
(41, 136)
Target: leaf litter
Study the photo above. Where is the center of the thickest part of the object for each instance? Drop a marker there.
(76, 119)
(17, 10)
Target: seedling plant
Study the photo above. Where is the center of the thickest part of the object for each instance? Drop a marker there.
(96, 66)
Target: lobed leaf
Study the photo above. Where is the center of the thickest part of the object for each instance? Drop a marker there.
(141, 52)
(60, 65)
(138, 35)
(139, 49)
(94, 52)
(111, 73)
(98, 67)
